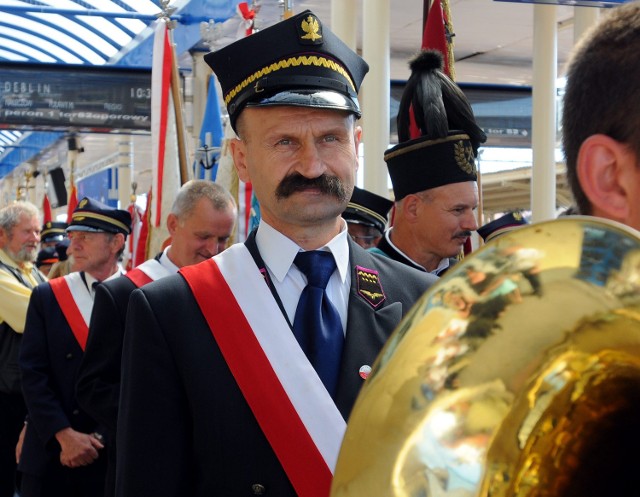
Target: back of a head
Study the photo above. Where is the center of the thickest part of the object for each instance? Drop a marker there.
(601, 96)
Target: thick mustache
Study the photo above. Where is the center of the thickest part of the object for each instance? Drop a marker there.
(462, 233)
(330, 185)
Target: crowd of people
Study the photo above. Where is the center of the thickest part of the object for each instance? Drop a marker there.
(215, 370)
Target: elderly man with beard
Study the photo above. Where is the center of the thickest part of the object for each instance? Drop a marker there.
(238, 374)
(19, 238)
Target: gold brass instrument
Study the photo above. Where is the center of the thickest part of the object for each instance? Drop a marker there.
(518, 374)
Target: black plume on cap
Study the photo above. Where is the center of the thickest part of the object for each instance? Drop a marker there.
(439, 105)
(438, 134)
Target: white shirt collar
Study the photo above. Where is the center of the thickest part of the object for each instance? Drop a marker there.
(166, 262)
(278, 251)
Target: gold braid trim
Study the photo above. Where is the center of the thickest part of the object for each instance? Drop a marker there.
(303, 60)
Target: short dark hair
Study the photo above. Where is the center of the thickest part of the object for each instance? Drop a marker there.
(601, 94)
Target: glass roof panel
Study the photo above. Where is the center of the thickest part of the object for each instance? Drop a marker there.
(95, 41)
(29, 52)
(109, 30)
(59, 37)
(44, 51)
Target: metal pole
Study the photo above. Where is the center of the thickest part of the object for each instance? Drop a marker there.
(344, 21)
(543, 176)
(376, 94)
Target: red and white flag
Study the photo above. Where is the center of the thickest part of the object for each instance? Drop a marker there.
(168, 153)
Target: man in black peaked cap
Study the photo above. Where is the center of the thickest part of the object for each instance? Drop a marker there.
(62, 452)
(238, 374)
(367, 216)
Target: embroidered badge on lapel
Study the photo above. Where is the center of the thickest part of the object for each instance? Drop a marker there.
(369, 286)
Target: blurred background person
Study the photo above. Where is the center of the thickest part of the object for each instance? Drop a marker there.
(47, 257)
(367, 216)
(19, 238)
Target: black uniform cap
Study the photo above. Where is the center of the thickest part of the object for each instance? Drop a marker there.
(443, 146)
(368, 209)
(53, 231)
(47, 255)
(295, 62)
(94, 216)
(501, 225)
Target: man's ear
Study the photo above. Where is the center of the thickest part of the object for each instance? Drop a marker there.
(410, 205)
(239, 153)
(603, 164)
(172, 223)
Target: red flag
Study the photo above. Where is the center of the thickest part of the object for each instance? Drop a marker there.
(46, 209)
(438, 33)
(73, 202)
(139, 238)
(436, 37)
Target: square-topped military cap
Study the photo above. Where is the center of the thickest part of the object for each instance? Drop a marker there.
(368, 209)
(295, 62)
(94, 216)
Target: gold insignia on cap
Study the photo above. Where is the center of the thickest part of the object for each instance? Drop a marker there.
(83, 202)
(517, 216)
(464, 157)
(311, 26)
(369, 287)
(48, 225)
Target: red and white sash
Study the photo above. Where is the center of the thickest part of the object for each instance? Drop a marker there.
(76, 304)
(292, 406)
(150, 270)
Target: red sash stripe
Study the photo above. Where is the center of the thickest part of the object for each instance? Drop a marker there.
(138, 277)
(70, 310)
(290, 440)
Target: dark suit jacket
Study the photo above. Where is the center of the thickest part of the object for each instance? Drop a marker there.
(98, 387)
(49, 360)
(184, 427)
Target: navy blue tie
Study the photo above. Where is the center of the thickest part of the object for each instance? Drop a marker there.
(317, 324)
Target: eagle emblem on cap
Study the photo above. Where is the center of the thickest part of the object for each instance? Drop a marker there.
(83, 202)
(311, 28)
(464, 157)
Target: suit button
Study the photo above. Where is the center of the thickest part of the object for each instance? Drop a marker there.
(69, 356)
(75, 412)
(258, 489)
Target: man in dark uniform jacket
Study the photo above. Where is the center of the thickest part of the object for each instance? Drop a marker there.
(218, 396)
(433, 170)
(200, 224)
(62, 447)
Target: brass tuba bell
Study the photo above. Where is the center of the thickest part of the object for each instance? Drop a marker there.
(518, 374)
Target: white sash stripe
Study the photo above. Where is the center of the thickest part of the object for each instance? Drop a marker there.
(300, 381)
(153, 269)
(81, 295)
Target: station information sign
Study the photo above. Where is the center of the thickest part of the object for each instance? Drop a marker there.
(96, 98)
